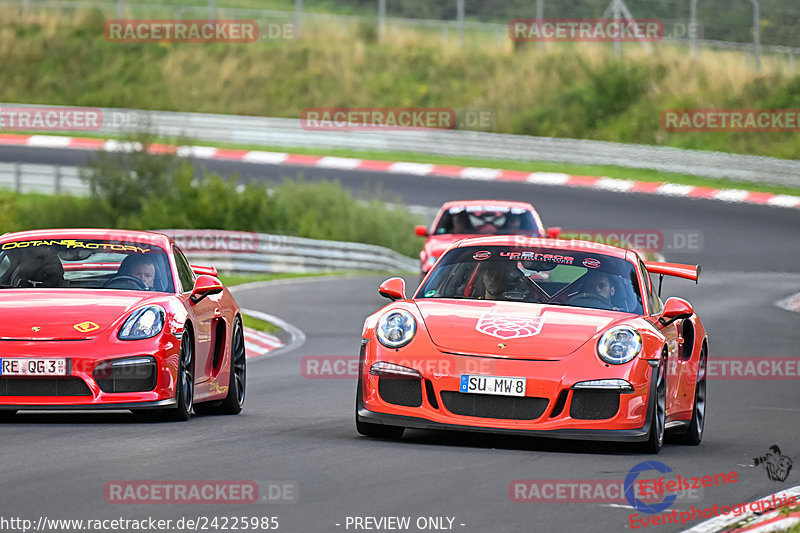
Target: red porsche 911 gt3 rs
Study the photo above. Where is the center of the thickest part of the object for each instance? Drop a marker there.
(478, 218)
(543, 337)
(111, 319)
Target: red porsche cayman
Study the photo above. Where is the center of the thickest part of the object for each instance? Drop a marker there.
(111, 319)
(543, 337)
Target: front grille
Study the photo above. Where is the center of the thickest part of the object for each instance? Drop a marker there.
(484, 406)
(594, 404)
(400, 391)
(133, 376)
(43, 387)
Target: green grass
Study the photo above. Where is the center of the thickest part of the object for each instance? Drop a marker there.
(580, 91)
(312, 6)
(231, 280)
(260, 325)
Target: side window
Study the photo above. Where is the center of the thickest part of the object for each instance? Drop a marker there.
(185, 274)
(653, 300)
(5, 263)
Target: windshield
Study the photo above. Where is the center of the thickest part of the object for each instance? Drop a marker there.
(536, 275)
(84, 264)
(487, 220)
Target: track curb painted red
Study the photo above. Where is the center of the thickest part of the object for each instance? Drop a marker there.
(257, 343)
(420, 169)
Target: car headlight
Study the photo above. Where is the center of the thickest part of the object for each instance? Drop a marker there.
(431, 260)
(619, 345)
(396, 328)
(142, 324)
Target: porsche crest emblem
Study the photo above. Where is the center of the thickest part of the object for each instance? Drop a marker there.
(509, 326)
(86, 327)
(36, 328)
(501, 345)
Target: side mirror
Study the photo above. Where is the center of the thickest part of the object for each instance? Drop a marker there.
(554, 232)
(420, 231)
(675, 309)
(205, 285)
(393, 288)
(207, 270)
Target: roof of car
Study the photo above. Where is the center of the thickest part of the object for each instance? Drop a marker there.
(145, 237)
(518, 241)
(486, 203)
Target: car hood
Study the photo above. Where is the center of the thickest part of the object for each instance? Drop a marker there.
(512, 329)
(437, 244)
(63, 314)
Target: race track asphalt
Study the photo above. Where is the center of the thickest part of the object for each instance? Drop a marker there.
(299, 431)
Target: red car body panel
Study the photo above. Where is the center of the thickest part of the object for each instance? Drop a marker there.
(563, 353)
(39, 323)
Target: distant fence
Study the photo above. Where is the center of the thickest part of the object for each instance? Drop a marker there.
(243, 252)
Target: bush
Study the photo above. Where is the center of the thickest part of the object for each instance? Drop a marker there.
(157, 191)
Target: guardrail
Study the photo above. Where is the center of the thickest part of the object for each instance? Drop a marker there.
(242, 252)
(261, 131)
(46, 179)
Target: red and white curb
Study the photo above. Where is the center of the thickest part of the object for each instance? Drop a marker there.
(420, 169)
(262, 345)
(791, 303)
(258, 343)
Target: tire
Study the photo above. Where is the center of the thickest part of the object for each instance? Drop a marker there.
(184, 387)
(655, 437)
(694, 434)
(377, 431)
(233, 402)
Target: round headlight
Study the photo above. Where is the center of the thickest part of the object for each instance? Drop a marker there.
(396, 328)
(619, 345)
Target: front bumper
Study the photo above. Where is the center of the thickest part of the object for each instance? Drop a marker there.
(564, 412)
